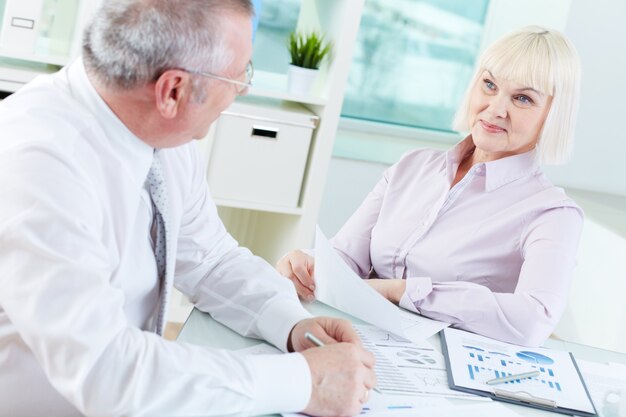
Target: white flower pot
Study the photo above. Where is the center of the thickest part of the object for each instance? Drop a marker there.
(300, 80)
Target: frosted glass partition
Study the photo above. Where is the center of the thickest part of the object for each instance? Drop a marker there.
(2, 4)
(413, 61)
(277, 18)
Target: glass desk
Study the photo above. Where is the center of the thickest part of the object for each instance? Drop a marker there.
(201, 329)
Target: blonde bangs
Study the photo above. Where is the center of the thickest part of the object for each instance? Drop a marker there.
(526, 60)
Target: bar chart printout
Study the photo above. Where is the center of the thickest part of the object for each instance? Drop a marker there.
(475, 359)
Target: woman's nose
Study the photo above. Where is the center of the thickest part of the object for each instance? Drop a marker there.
(498, 106)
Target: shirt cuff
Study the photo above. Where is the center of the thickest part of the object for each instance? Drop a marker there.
(283, 383)
(277, 320)
(417, 288)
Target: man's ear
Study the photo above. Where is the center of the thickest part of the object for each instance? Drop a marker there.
(171, 92)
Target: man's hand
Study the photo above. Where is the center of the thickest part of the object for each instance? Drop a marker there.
(298, 267)
(342, 372)
(342, 375)
(327, 329)
(391, 289)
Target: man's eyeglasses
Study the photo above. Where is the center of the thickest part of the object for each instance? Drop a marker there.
(241, 86)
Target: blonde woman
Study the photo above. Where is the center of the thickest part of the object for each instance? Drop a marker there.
(478, 236)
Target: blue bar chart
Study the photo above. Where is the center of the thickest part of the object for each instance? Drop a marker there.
(483, 365)
(502, 370)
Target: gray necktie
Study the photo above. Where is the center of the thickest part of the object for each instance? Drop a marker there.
(158, 193)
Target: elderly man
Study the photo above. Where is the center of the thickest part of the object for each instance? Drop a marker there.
(105, 207)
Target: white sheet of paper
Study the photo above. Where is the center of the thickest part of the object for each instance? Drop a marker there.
(338, 286)
(394, 406)
(607, 386)
(431, 408)
(491, 409)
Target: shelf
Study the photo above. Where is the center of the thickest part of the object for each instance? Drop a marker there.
(10, 86)
(15, 74)
(54, 60)
(267, 229)
(273, 85)
(248, 205)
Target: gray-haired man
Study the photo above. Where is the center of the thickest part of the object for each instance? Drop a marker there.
(97, 175)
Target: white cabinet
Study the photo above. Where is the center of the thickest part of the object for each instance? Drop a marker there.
(260, 152)
(270, 229)
(39, 36)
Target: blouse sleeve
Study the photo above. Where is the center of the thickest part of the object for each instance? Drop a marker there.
(529, 314)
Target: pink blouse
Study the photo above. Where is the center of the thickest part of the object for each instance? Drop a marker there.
(493, 255)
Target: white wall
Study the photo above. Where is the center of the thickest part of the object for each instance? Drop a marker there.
(504, 16)
(348, 183)
(596, 312)
(598, 30)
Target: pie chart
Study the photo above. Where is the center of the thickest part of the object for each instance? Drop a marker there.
(417, 358)
(534, 357)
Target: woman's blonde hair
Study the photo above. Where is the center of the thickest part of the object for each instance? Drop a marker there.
(545, 60)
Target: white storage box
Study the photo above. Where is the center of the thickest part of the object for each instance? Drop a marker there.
(20, 25)
(259, 153)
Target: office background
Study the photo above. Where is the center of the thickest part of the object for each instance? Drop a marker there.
(404, 77)
(435, 43)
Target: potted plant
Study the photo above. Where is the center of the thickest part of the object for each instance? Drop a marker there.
(307, 51)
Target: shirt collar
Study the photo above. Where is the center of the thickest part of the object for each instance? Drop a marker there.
(506, 170)
(455, 156)
(134, 153)
(499, 172)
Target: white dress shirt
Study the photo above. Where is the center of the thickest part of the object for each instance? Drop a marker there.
(494, 254)
(78, 281)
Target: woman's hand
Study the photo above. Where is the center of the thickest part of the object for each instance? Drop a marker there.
(391, 289)
(299, 267)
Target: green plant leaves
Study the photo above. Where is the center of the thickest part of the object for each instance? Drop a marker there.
(307, 50)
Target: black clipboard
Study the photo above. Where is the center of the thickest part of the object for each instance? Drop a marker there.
(518, 397)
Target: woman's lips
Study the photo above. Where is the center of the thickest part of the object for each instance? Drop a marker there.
(491, 128)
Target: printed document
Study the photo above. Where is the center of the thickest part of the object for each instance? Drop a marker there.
(490, 409)
(338, 286)
(408, 368)
(386, 406)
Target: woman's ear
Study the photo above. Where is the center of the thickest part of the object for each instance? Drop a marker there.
(172, 90)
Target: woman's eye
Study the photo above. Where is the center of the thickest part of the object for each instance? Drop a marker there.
(489, 84)
(525, 100)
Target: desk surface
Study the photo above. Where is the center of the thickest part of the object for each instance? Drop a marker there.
(201, 329)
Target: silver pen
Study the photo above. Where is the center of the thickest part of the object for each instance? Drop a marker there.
(310, 336)
(510, 378)
(314, 339)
